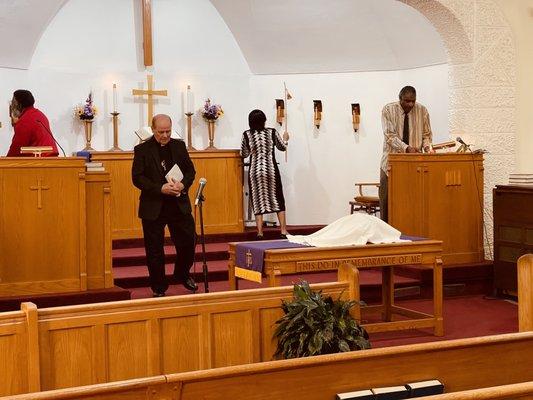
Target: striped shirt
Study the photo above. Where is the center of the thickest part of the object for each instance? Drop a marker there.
(392, 118)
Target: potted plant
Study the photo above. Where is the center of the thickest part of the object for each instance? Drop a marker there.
(314, 324)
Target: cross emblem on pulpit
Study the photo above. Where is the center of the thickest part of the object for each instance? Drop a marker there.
(39, 189)
(150, 92)
(248, 259)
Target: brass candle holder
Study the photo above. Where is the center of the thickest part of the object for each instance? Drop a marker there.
(190, 147)
(115, 132)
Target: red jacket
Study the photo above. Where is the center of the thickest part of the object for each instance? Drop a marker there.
(32, 129)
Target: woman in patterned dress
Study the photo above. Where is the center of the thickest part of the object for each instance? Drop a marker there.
(259, 144)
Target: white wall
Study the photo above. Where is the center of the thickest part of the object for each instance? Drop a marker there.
(90, 45)
(323, 164)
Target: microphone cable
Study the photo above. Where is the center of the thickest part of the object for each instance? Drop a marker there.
(480, 202)
(52, 136)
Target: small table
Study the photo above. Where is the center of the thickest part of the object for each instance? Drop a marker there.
(422, 253)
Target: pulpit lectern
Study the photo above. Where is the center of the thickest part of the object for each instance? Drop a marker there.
(55, 233)
(439, 196)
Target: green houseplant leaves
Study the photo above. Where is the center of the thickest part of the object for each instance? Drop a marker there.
(314, 324)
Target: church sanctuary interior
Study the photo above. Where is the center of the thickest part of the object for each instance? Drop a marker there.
(373, 239)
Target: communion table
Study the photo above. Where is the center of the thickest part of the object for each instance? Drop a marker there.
(249, 260)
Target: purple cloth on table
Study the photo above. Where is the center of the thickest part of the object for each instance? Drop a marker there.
(257, 251)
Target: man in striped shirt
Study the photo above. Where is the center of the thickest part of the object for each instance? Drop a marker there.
(407, 130)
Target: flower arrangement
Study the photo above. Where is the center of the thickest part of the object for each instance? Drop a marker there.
(88, 110)
(211, 112)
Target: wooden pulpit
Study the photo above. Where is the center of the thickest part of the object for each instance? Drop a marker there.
(439, 196)
(53, 222)
(223, 209)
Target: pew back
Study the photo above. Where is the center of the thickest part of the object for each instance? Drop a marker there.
(461, 365)
(98, 343)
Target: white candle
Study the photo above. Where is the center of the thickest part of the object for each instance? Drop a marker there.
(190, 104)
(114, 97)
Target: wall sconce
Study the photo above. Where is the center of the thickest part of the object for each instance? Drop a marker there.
(317, 114)
(356, 116)
(280, 111)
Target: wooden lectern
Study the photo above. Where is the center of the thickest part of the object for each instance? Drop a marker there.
(54, 226)
(439, 196)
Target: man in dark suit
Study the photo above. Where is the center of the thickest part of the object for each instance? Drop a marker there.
(165, 203)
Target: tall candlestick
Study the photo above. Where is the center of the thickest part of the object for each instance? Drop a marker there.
(190, 104)
(115, 132)
(114, 97)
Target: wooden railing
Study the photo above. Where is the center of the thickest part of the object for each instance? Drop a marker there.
(71, 346)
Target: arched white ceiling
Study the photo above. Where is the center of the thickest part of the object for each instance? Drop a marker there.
(22, 23)
(309, 36)
(277, 36)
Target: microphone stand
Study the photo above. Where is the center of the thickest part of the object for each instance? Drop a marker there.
(201, 199)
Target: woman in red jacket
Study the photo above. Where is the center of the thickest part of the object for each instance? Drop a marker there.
(31, 126)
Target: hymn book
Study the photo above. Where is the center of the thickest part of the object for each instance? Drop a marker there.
(174, 175)
(144, 133)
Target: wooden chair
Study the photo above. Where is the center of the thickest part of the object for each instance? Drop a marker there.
(369, 204)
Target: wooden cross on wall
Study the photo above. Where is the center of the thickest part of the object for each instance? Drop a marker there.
(147, 32)
(150, 92)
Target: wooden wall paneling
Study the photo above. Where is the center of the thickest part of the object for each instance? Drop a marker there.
(99, 244)
(14, 339)
(82, 228)
(125, 197)
(223, 209)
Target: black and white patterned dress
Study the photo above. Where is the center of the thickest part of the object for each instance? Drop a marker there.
(264, 178)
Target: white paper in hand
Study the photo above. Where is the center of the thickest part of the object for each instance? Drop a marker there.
(174, 175)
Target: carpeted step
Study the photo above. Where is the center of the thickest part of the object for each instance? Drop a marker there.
(134, 256)
(248, 234)
(12, 303)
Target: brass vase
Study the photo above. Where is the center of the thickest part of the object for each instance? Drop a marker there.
(211, 132)
(88, 125)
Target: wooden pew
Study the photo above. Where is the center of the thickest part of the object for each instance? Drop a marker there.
(97, 343)
(461, 365)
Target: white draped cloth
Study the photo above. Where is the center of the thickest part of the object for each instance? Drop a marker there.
(351, 230)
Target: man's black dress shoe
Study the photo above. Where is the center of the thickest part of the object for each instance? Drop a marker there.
(190, 284)
(159, 294)
(283, 236)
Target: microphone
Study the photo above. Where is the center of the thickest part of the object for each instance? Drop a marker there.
(52, 136)
(460, 141)
(202, 182)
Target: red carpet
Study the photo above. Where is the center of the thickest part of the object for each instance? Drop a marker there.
(464, 317)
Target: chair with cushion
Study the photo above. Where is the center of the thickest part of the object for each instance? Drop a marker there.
(361, 202)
